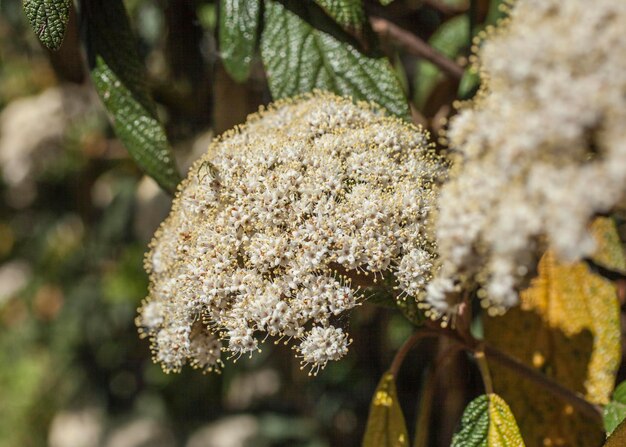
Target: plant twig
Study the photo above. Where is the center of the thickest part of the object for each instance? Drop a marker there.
(481, 360)
(610, 274)
(416, 46)
(445, 8)
(398, 359)
(575, 399)
(422, 424)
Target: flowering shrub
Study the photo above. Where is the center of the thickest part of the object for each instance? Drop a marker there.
(283, 225)
(504, 236)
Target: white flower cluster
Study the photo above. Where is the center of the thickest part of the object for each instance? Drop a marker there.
(276, 225)
(540, 151)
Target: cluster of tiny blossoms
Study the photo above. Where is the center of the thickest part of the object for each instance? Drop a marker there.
(276, 225)
(540, 151)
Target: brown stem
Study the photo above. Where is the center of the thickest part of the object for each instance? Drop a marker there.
(575, 399)
(422, 424)
(398, 359)
(416, 46)
(481, 360)
(445, 8)
(610, 274)
(67, 61)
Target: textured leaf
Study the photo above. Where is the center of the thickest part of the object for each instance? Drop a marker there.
(348, 13)
(449, 39)
(488, 422)
(49, 20)
(300, 58)
(609, 252)
(618, 438)
(568, 327)
(119, 78)
(239, 23)
(615, 411)
(385, 425)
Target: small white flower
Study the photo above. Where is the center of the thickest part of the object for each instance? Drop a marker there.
(271, 227)
(541, 150)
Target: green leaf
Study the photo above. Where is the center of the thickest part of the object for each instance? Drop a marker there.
(615, 411)
(449, 39)
(300, 58)
(470, 82)
(238, 29)
(488, 422)
(385, 425)
(119, 78)
(497, 10)
(618, 438)
(347, 13)
(49, 19)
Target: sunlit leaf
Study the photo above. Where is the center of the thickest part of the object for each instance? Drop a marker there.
(488, 422)
(239, 22)
(348, 13)
(300, 57)
(385, 425)
(567, 327)
(48, 19)
(119, 78)
(618, 437)
(615, 411)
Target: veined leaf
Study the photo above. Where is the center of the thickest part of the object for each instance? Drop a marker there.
(348, 13)
(119, 78)
(385, 425)
(300, 58)
(488, 422)
(615, 411)
(239, 23)
(567, 327)
(49, 20)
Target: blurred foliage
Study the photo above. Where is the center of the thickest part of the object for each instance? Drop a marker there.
(77, 214)
(615, 411)
(386, 426)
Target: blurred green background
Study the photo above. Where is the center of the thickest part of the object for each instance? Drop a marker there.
(76, 215)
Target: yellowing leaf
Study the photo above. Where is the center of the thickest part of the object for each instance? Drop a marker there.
(386, 426)
(568, 327)
(488, 422)
(609, 252)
